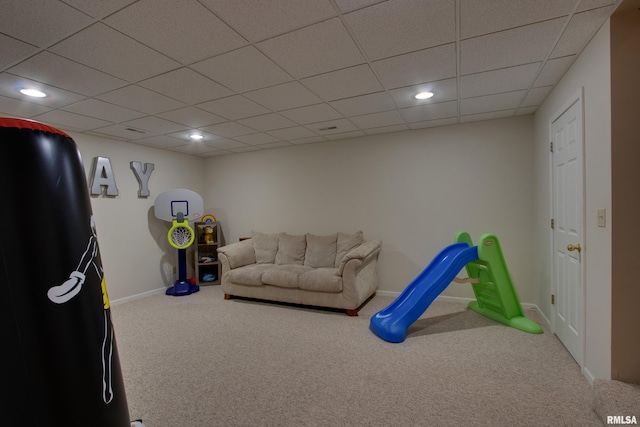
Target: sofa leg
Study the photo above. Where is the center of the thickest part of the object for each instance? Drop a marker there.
(351, 312)
(227, 296)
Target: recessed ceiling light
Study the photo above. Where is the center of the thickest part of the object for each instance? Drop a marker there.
(33, 92)
(196, 136)
(424, 95)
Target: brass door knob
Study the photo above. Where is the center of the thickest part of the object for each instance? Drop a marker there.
(572, 248)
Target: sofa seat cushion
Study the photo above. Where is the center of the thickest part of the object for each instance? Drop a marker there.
(249, 274)
(321, 280)
(284, 276)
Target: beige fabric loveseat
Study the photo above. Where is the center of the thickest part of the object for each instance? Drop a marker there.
(337, 271)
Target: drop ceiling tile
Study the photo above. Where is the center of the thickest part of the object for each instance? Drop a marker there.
(70, 121)
(487, 116)
(103, 110)
(13, 50)
(141, 99)
(497, 81)
(123, 132)
(243, 70)
(217, 153)
(256, 138)
(430, 111)
(524, 111)
(229, 129)
(365, 104)
(192, 117)
(193, 148)
(292, 133)
(309, 140)
(332, 127)
(593, 4)
(185, 136)
(536, 96)
(312, 50)
(344, 83)
(57, 71)
(234, 107)
(426, 65)
(504, 49)
(98, 8)
(168, 26)
(160, 141)
(280, 144)
(386, 118)
(225, 144)
(553, 70)
(245, 149)
(345, 135)
(110, 51)
(262, 20)
(17, 108)
(386, 129)
(443, 90)
(580, 30)
(484, 17)
(489, 103)
(187, 86)
(349, 5)
(284, 96)
(10, 86)
(40, 23)
(311, 114)
(401, 26)
(154, 125)
(267, 122)
(104, 135)
(433, 123)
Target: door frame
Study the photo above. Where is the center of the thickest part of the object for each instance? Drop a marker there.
(577, 96)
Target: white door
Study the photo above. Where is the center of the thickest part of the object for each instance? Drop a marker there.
(568, 245)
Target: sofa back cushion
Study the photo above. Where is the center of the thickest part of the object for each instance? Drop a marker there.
(321, 251)
(345, 243)
(291, 249)
(265, 246)
(240, 254)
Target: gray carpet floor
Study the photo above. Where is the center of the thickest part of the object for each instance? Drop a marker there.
(200, 360)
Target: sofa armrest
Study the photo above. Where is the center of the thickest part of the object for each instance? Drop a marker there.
(365, 250)
(239, 253)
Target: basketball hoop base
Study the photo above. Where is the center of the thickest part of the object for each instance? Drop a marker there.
(181, 288)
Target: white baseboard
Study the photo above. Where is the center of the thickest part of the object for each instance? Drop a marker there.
(138, 296)
(387, 293)
(454, 299)
(588, 375)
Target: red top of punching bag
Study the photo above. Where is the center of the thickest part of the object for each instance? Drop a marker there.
(7, 122)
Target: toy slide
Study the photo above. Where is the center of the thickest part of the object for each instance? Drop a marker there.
(496, 297)
(392, 322)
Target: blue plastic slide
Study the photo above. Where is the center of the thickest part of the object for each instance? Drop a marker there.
(392, 322)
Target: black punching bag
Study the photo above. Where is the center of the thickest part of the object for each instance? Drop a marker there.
(62, 366)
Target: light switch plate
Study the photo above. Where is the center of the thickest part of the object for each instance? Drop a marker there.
(602, 217)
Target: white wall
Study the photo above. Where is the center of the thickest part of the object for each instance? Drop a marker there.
(412, 190)
(591, 71)
(133, 243)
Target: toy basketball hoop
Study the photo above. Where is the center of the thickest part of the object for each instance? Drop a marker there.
(179, 207)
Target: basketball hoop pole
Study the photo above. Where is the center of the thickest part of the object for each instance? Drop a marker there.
(182, 286)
